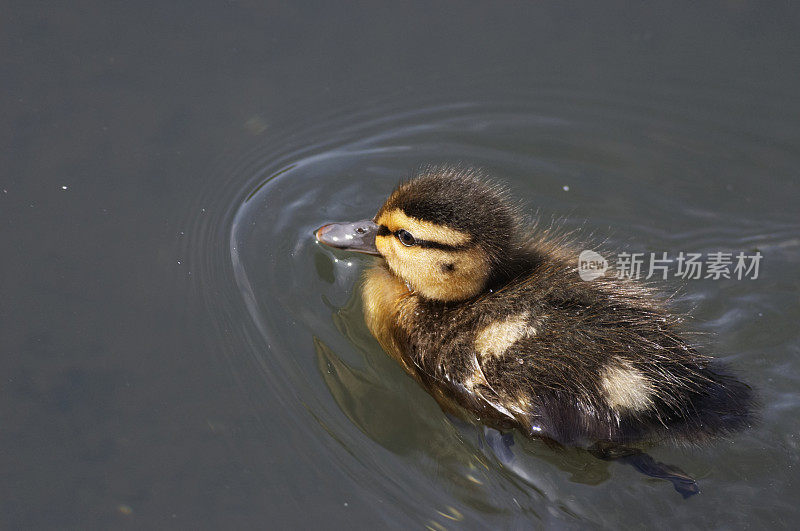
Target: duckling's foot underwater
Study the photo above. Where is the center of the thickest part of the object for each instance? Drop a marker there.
(501, 444)
(644, 463)
(491, 317)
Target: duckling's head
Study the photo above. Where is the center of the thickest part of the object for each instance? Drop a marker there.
(445, 233)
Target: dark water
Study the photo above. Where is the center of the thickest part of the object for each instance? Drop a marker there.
(178, 352)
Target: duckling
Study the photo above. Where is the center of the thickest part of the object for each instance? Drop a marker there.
(490, 316)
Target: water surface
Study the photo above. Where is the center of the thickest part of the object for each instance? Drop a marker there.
(378, 426)
(179, 352)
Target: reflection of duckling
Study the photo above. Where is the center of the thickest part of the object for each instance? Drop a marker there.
(498, 324)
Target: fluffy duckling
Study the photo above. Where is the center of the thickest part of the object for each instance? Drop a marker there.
(494, 322)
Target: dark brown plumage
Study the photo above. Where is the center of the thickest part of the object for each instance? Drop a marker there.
(491, 317)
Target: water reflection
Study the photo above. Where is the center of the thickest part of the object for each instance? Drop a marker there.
(608, 165)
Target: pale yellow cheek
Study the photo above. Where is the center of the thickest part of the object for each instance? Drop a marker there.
(424, 269)
(383, 244)
(627, 388)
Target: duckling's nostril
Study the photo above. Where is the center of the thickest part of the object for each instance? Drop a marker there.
(348, 236)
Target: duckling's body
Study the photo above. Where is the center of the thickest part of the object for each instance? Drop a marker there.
(556, 357)
(497, 325)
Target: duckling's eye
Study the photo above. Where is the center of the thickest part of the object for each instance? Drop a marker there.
(406, 238)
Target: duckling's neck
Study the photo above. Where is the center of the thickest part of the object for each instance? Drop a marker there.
(387, 302)
(512, 268)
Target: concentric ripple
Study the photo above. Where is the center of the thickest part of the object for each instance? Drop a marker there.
(664, 173)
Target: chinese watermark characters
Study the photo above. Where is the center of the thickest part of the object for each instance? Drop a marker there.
(694, 266)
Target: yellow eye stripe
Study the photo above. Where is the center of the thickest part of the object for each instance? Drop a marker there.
(396, 219)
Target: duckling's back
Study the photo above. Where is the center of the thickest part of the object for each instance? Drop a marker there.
(557, 357)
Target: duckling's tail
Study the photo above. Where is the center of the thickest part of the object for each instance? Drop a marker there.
(722, 405)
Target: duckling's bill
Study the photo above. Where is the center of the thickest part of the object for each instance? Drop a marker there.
(356, 236)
